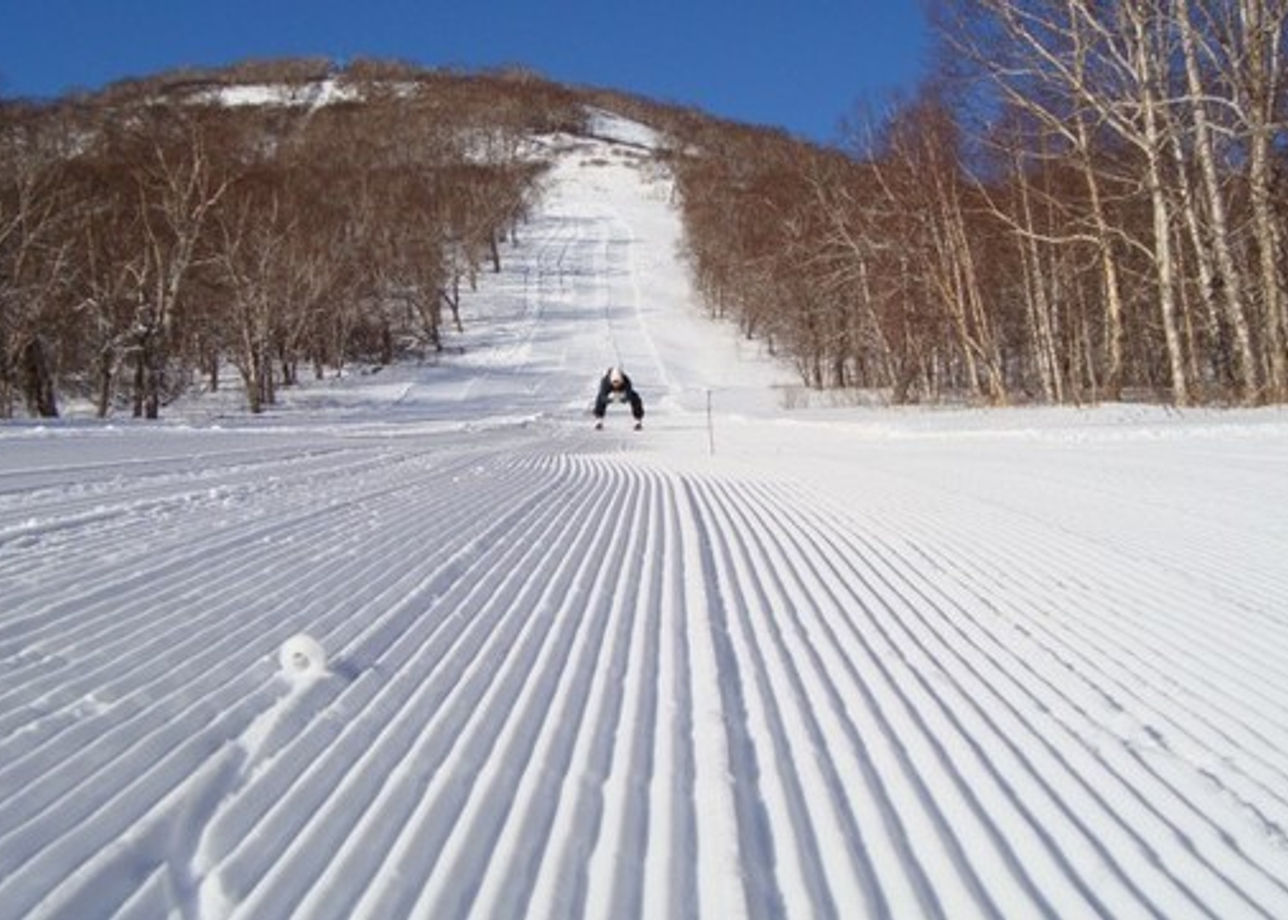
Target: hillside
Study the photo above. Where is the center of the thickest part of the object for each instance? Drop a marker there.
(1005, 235)
(751, 661)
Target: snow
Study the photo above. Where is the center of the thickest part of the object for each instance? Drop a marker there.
(309, 95)
(785, 659)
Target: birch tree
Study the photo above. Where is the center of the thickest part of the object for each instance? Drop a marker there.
(178, 181)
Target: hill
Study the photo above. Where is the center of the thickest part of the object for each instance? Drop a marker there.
(296, 214)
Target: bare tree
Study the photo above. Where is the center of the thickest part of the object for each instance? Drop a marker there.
(179, 178)
(34, 208)
(1255, 43)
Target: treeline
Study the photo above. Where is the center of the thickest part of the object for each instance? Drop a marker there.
(1089, 202)
(155, 231)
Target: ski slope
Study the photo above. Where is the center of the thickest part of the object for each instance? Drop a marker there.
(760, 662)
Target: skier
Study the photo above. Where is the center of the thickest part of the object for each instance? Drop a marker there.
(615, 386)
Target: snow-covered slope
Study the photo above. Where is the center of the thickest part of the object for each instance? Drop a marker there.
(756, 662)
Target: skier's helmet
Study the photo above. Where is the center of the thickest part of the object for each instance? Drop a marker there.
(616, 379)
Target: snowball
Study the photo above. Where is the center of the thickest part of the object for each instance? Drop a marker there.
(302, 654)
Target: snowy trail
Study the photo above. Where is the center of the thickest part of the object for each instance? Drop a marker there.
(837, 669)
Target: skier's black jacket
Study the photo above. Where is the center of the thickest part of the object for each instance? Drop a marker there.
(615, 386)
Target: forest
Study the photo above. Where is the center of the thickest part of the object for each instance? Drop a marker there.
(153, 233)
(1087, 202)
(1084, 202)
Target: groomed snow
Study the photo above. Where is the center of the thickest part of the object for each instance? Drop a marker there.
(772, 660)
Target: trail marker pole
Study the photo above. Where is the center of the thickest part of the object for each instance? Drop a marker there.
(711, 432)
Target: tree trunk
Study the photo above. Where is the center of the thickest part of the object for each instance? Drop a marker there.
(38, 380)
(1261, 86)
(1230, 281)
(1039, 307)
(1164, 264)
(106, 369)
(1114, 331)
(139, 375)
(1219, 350)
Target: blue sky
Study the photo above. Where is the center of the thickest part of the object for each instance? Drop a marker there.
(799, 65)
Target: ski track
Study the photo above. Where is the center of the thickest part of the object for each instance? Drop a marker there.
(569, 677)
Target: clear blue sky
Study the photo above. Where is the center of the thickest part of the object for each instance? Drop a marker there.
(797, 64)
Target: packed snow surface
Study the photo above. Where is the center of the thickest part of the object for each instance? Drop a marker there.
(768, 657)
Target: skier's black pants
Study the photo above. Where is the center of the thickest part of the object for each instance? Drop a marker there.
(601, 403)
